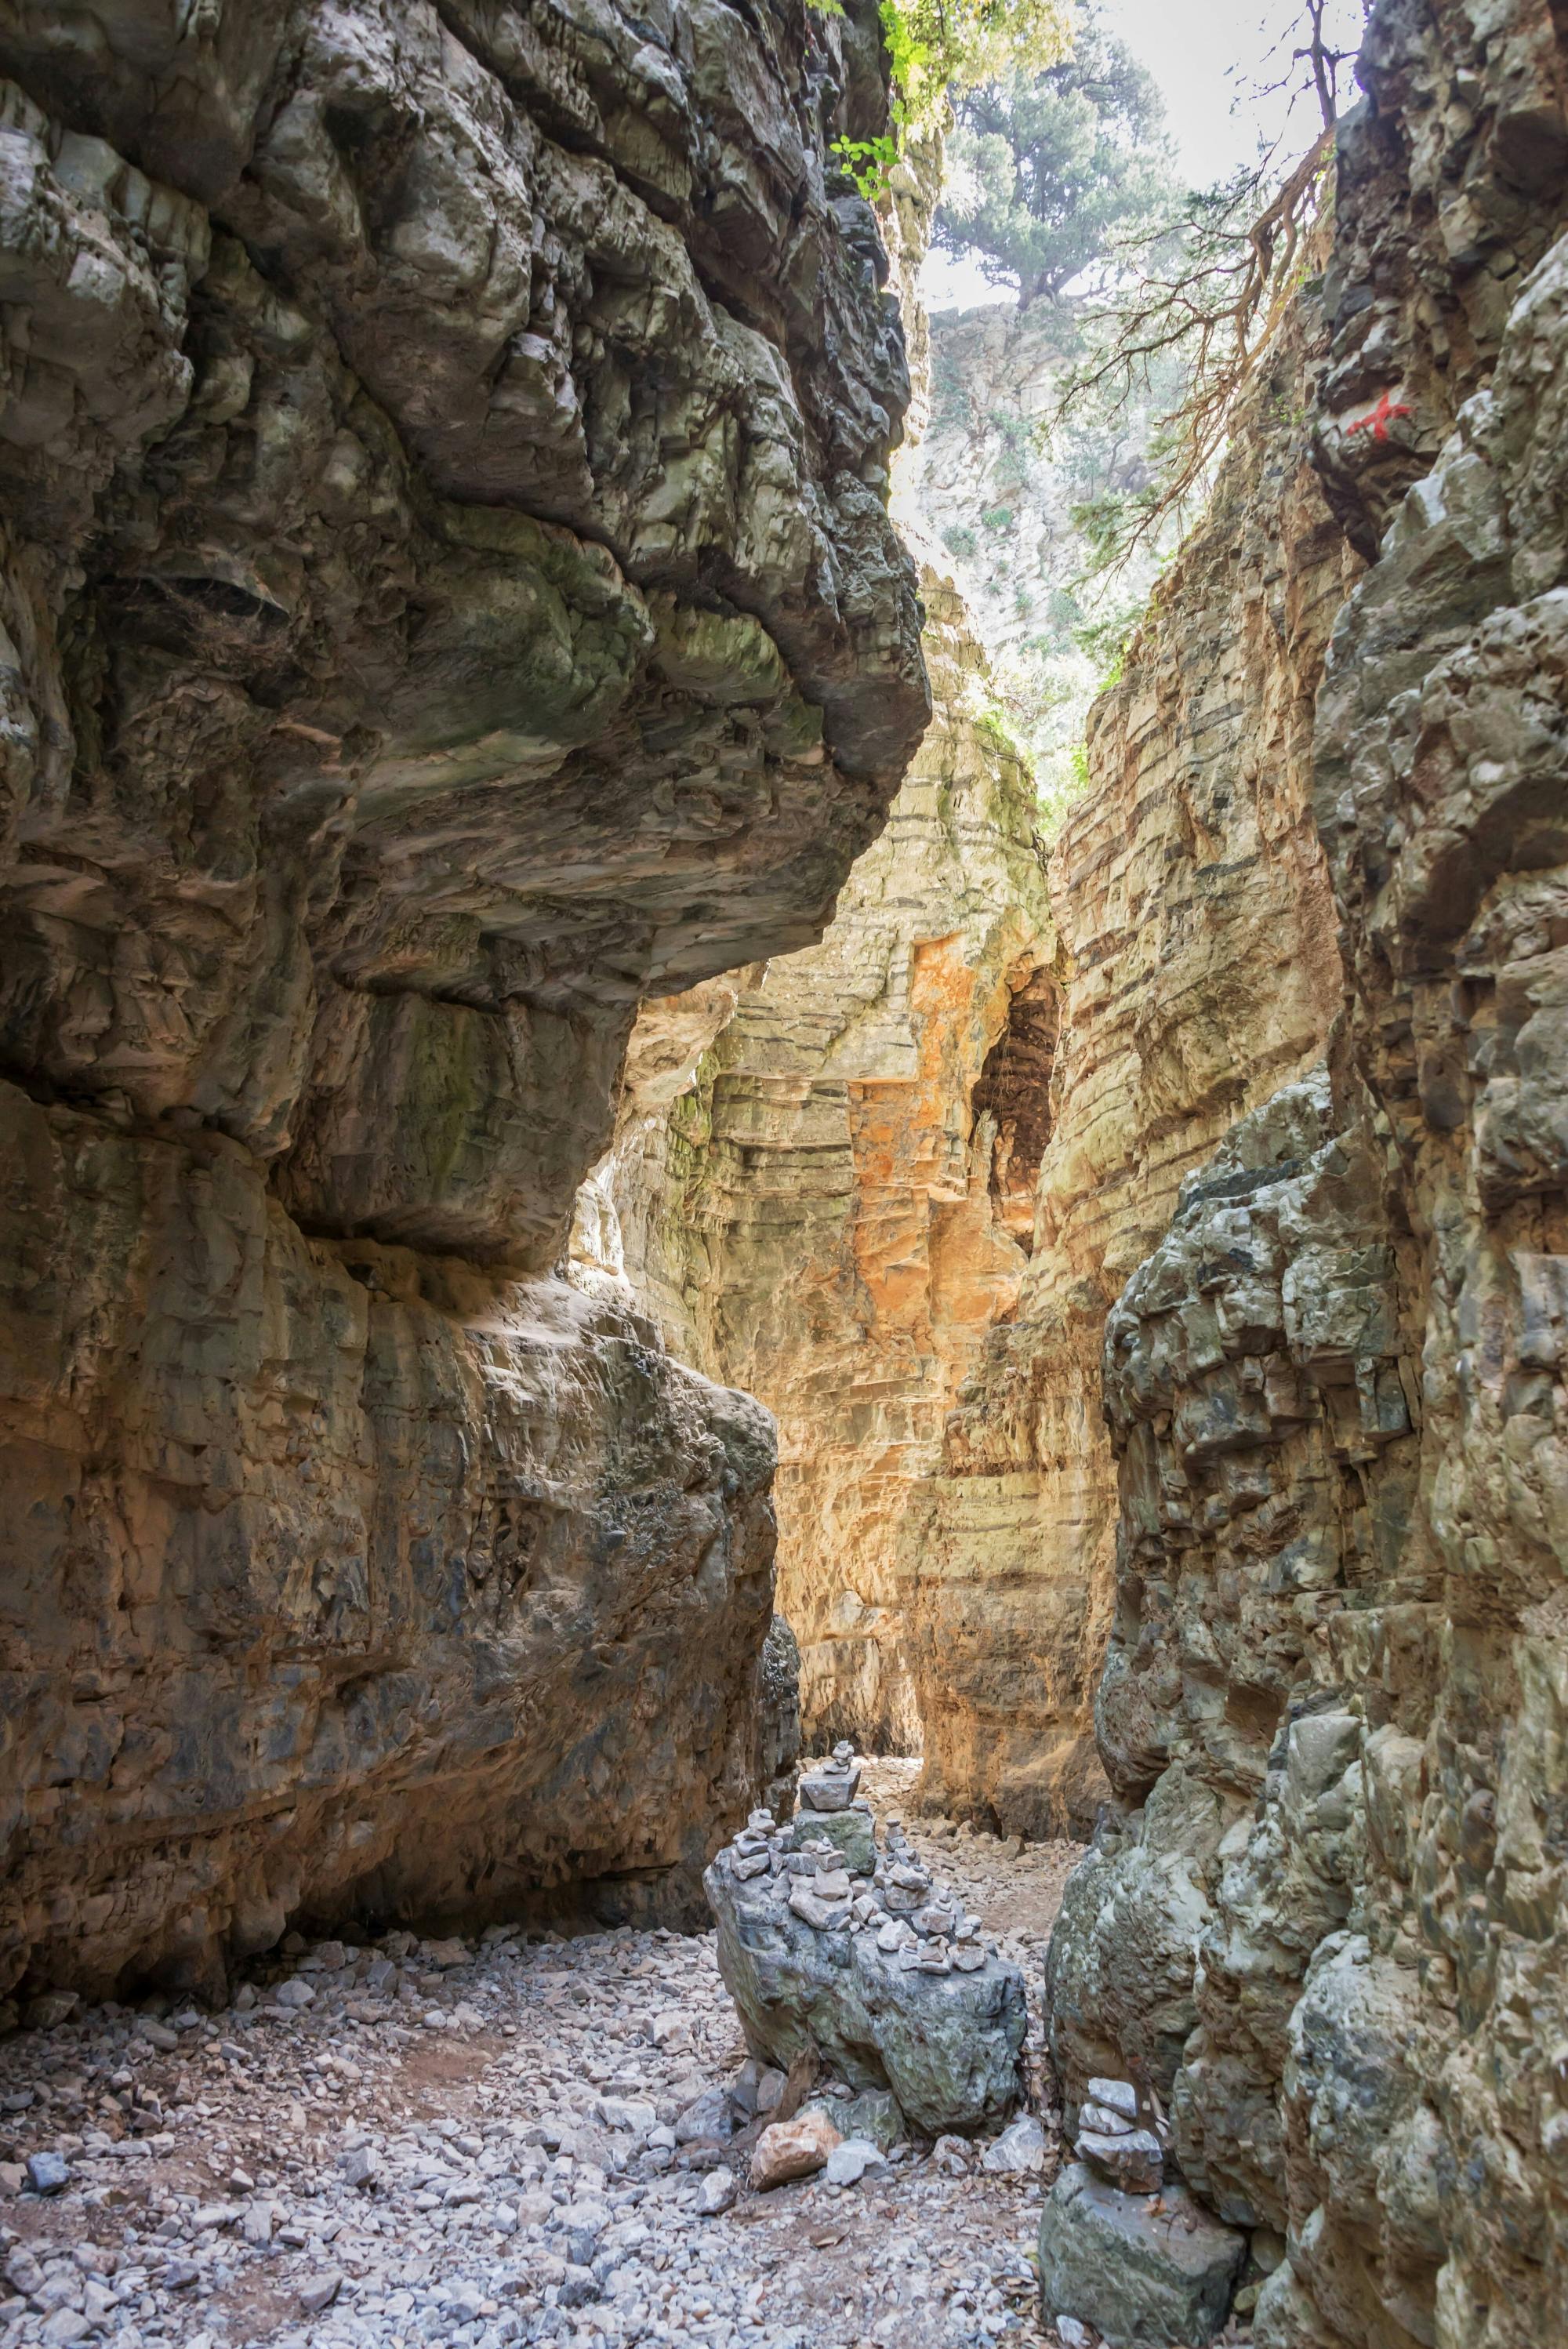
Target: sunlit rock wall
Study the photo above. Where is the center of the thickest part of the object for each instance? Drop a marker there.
(1199, 968)
(1328, 1919)
(447, 593)
(837, 1208)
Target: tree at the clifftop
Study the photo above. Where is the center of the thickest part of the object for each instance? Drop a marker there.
(1048, 171)
(1207, 295)
(939, 50)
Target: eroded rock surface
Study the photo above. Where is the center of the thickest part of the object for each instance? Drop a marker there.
(1199, 970)
(447, 593)
(1327, 1922)
(836, 1208)
(380, 1587)
(912, 1168)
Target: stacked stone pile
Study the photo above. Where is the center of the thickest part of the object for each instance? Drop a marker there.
(1120, 2245)
(839, 1950)
(1116, 2143)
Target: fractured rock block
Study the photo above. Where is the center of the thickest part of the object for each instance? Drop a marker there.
(792, 2148)
(1148, 2273)
(1133, 2159)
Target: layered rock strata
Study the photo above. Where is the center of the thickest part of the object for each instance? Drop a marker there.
(447, 593)
(1199, 970)
(837, 1206)
(901, 1222)
(1327, 1923)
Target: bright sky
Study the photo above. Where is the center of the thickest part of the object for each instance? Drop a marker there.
(1204, 54)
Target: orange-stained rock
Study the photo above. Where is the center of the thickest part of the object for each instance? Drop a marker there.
(794, 2148)
(920, 1160)
(1200, 971)
(837, 1208)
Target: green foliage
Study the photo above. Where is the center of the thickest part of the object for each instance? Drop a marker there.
(962, 542)
(868, 162)
(1208, 291)
(1047, 170)
(938, 48)
(1009, 472)
(997, 518)
(950, 401)
(1060, 786)
(1105, 643)
(993, 727)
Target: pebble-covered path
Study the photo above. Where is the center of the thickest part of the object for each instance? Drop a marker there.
(425, 2142)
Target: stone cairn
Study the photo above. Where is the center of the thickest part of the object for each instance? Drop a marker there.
(835, 1948)
(1126, 2152)
(834, 1841)
(1126, 2247)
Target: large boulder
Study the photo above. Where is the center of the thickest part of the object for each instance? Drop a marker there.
(881, 1975)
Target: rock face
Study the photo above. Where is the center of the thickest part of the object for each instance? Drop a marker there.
(1199, 970)
(1327, 1923)
(916, 1165)
(838, 1205)
(1253, 1377)
(447, 593)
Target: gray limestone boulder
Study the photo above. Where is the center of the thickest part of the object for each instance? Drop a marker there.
(1146, 2278)
(939, 2023)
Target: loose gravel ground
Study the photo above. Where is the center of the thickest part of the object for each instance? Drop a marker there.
(454, 2141)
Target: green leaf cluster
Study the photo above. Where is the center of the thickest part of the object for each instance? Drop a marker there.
(869, 164)
(942, 48)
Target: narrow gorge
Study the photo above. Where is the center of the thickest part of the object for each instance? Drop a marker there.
(651, 1122)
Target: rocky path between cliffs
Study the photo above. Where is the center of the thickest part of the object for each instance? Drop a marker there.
(478, 2142)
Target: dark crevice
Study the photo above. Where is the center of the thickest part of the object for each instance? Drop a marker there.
(1015, 1090)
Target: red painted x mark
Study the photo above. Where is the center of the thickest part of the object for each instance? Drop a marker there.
(1378, 419)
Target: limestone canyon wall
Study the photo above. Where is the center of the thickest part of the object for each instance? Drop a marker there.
(806, 1209)
(447, 593)
(1326, 1921)
(1199, 968)
(837, 1205)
